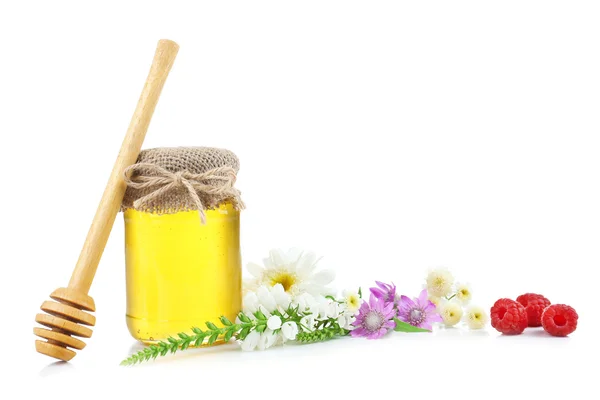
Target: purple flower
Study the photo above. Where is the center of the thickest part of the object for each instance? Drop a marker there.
(420, 312)
(374, 319)
(387, 293)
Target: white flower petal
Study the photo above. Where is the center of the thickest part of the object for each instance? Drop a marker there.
(324, 277)
(292, 268)
(268, 263)
(282, 298)
(255, 269)
(294, 254)
(267, 339)
(289, 330)
(306, 264)
(451, 312)
(439, 282)
(266, 299)
(278, 257)
(305, 302)
(308, 323)
(266, 312)
(251, 341)
(272, 338)
(476, 317)
(250, 303)
(274, 322)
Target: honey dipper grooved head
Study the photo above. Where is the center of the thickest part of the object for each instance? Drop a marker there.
(65, 318)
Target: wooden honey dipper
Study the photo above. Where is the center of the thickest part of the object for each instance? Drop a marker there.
(66, 316)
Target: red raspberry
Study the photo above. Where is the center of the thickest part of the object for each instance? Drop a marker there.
(509, 317)
(534, 305)
(559, 320)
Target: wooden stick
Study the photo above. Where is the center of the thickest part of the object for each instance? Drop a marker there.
(67, 315)
(90, 255)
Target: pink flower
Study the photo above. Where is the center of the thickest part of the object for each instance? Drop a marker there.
(420, 312)
(374, 319)
(387, 293)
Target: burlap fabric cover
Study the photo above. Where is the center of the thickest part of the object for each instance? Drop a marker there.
(168, 180)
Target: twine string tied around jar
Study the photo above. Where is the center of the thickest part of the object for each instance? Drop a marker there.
(217, 181)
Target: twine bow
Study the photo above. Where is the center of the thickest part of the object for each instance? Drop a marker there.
(217, 181)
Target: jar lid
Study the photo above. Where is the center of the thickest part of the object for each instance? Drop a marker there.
(167, 180)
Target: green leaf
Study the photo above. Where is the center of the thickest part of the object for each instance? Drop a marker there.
(225, 321)
(360, 292)
(199, 340)
(213, 338)
(260, 316)
(244, 318)
(211, 326)
(402, 326)
(244, 332)
(197, 331)
(276, 312)
(228, 335)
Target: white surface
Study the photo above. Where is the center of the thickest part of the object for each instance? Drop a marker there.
(387, 137)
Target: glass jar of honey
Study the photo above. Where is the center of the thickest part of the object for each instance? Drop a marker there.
(183, 265)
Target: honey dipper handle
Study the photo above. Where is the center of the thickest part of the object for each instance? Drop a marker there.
(92, 250)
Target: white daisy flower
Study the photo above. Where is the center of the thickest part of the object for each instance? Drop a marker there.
(293, 270)
(439, 282)
(476, 317)
(352, 301)
(463, 293)
(451, 312)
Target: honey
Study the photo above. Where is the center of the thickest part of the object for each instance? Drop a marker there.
(181, 273)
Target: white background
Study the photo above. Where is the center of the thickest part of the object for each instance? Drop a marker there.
(389, 137)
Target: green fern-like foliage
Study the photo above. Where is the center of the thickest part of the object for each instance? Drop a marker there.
(208, 336)
(321, 335)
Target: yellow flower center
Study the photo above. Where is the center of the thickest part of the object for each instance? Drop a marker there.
(353, 301)
(439, 282)
(284, 278)
(464, 292)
